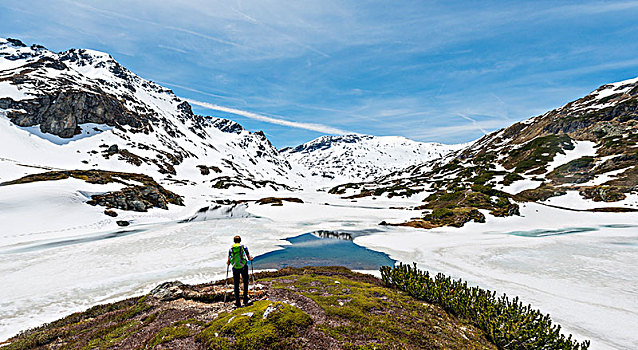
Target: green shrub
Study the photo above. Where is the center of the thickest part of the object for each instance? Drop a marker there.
(507, 323)
(440, 213)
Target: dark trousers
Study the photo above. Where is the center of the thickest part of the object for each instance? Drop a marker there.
(244, 276)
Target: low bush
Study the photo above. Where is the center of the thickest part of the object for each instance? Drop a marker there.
(507, 323)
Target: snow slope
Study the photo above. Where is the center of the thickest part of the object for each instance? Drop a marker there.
(349, 158)
(161, 135)
(166, 140)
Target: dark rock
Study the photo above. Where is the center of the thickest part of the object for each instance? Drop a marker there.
(138, 198)
(604, 193)
(203, 169)
(16, 42)
(122, 223)
(227, 126)
(110, 213)
(168, 291)
(61, 113)
(278, 201)
(113, 149)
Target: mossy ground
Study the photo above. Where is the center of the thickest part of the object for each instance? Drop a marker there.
(262, 325)
(364, 315)
(306, 308)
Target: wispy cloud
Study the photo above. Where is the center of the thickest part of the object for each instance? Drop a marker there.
(325, 129)
(114, 14)
(474, 123)
(282, 34)
(408, 69)
(201, 92)
(456, 130)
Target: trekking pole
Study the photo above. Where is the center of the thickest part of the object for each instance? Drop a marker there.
(253, 273)
(226, 286)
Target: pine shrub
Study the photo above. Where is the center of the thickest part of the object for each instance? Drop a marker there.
(508, 323)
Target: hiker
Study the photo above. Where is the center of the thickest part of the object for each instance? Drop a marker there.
(238, 255)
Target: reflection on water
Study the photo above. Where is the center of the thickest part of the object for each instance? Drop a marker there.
(331, 234)
(323, 248)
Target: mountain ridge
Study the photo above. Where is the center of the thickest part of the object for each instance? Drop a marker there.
(118, 121)
(580, 156)
(60, 93)
(348, 158)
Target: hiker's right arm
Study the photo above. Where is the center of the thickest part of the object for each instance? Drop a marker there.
(248, 254)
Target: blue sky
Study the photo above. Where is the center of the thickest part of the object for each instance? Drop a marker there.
(442, 71)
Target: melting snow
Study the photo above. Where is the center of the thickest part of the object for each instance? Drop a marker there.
(581, 149)
(87, 130)
(602, 178)
(9, 90)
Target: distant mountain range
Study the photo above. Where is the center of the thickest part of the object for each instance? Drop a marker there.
(80, 109)
(338, 159)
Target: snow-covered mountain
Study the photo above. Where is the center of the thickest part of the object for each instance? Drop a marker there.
(581, 156)
(340, 159)
(80, 109)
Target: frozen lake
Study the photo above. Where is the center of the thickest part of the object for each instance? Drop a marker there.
(579, 267)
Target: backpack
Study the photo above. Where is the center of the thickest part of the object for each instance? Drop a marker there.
(238, 256)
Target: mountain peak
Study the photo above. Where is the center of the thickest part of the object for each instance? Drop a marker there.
(354, 157)
(13, 42)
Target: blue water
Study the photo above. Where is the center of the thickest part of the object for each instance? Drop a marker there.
(564, 231)
(323, 249)
(557, 232)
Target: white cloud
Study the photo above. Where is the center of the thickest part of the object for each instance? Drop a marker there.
(308, 126)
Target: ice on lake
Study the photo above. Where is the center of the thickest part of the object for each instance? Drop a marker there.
(579, 267)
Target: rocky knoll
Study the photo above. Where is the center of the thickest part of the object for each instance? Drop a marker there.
(304, 308)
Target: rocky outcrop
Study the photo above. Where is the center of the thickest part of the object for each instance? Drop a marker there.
(61, 113)
(604, 193)
(137, 198)
(168, 291)
(456, 217)
(148, 194)
(275, 201)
